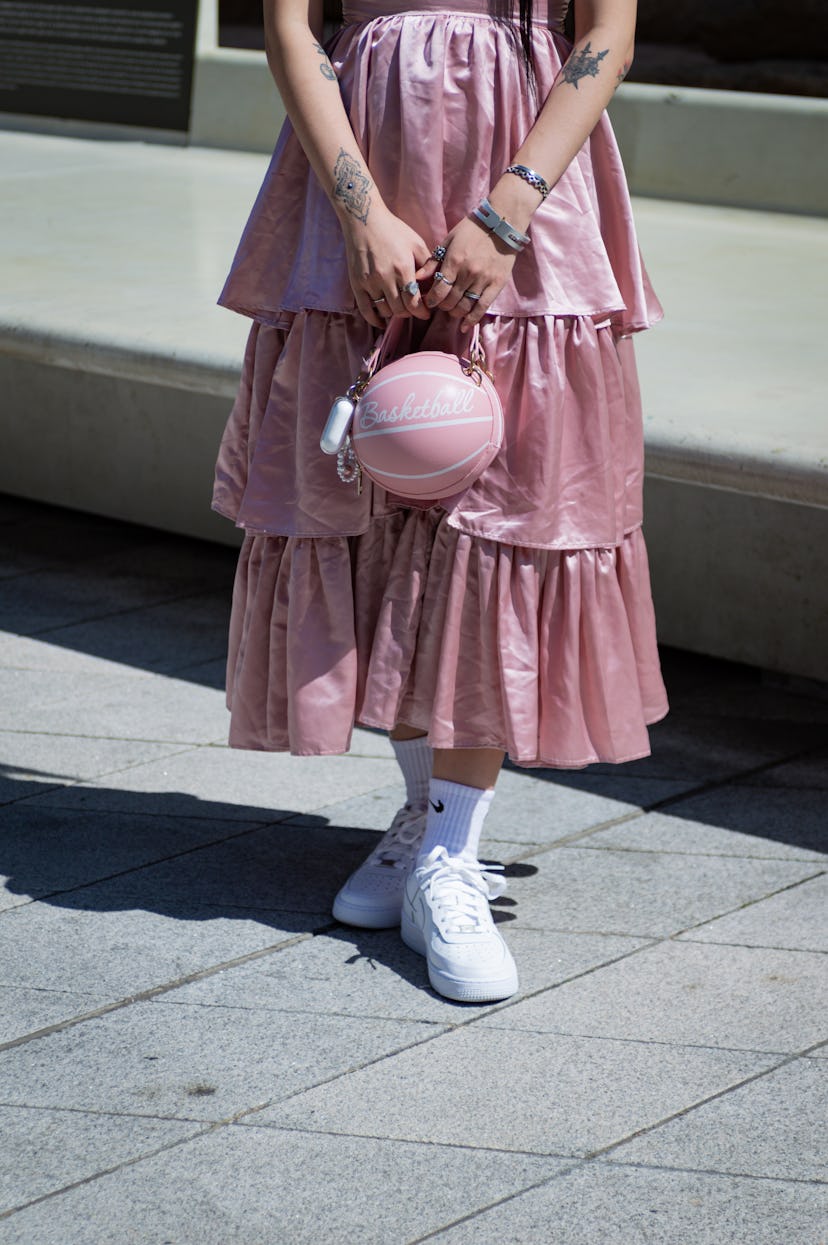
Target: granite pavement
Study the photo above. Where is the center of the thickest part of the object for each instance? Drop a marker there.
(193, 1052)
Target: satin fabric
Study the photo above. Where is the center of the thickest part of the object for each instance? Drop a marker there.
(438, 101)
(549, 655)
(568, 476)
(517, 615)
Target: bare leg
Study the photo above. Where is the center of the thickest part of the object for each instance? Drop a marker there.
(401, 731)
(473, 767)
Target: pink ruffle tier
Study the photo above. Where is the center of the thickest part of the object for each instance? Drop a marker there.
(519, 614)
(550, 655)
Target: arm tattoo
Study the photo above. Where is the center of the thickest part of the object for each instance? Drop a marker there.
(351, 186)
(622, 73)
(583, 64)
(326, 68)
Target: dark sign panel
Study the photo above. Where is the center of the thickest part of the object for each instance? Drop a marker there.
(123, 61)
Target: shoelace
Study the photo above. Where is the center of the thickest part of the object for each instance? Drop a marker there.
(398, 846)
(455, 888)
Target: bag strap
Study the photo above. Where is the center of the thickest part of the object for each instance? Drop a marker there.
(387, 342)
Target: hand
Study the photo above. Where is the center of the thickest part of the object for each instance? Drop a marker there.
(383, 255)
(475, 260)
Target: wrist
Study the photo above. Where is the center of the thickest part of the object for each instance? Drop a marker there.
(358, 217)
(515, 199)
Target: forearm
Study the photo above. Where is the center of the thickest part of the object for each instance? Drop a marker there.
(310, 92)
(599, 61)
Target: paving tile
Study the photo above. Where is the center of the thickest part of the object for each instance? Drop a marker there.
(618, 786)
(372, 973)
(31, 764)
(192, 1062)
(810, 772)
(34, 536)
(153, 637)
(645, 894)
(731, 821)
(731, 997)
(58, 597)
(556, 1094)
(208, 674)
(180, 559)
(529, 810)
(252, 1186)
(116, 706)
(47, 1150)
(101, 946)
(795, 918)
(773, 1126)
(241, 783)
(643, 1206)
(46, 849)
(524, 812)
(751, 700)
(371, 743)
(267, 870)
(23, 652)
(27, 1008)
(707, 746)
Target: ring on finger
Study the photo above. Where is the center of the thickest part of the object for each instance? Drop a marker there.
(439, 253)
(472, 297)
(438, 276)
(376, 301)
(410, 287)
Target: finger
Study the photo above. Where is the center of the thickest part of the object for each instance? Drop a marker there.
(479, 309)
(455, 303)
(462, 305)
(367, 310)
(426, 269)
(442, 288)
(393, 301)
(429, 266)
(414, 303)
(374, 309)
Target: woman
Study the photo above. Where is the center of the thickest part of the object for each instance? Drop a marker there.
(518, 616)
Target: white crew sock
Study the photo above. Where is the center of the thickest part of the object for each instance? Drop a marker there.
(414, 757)
(455, 818)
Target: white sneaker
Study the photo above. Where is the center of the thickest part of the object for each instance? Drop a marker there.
(372, 896)
(446, 917)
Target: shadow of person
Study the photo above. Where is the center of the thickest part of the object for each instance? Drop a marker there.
(103, 850)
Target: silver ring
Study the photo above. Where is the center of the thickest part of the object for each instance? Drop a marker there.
(438, 276)
(439, 253)
(473, 298)
(376, 301)
(411, 288)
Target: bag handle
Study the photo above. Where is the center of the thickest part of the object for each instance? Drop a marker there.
(389, 338)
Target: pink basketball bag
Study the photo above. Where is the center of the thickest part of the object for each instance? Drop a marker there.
(423, 427)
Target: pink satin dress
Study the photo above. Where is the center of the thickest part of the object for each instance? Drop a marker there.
(519, 614)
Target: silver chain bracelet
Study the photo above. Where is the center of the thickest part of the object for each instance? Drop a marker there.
(534, 179)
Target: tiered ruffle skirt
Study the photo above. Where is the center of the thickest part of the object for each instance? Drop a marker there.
(519, 614)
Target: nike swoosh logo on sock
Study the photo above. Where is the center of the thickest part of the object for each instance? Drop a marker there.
(438, 807)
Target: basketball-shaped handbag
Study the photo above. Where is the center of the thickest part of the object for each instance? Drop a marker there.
(423, 427)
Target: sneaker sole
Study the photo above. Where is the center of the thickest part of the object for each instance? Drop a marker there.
(365, 918)
(458, 989)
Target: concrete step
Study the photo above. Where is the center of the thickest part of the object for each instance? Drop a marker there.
(118, 371)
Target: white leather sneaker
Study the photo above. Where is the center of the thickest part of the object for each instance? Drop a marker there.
(446, 917)
(372, 896)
